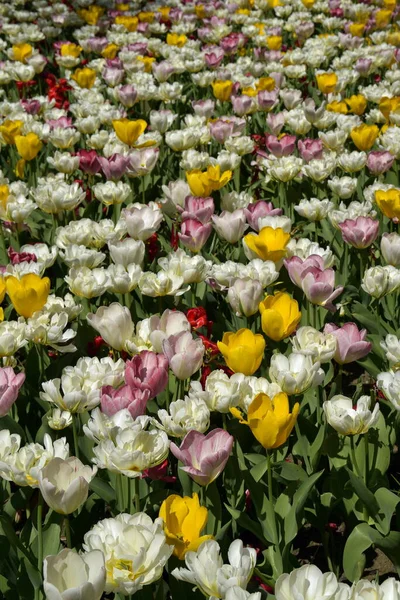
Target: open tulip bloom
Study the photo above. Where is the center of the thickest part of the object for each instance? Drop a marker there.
(199, 299)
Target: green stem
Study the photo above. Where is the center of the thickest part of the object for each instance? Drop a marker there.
(38, 594)
(354, 462)
(269, 471)
(120, 493)
(75, 434)
(129, 502)
(303, 449)
(137, 496)
(271, 500)
(67, 528)
(366, 458)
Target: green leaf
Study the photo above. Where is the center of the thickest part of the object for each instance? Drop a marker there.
(103, 489)
(387, 502)
(246, 522)
(365, 495)
(293, 519)
(258, 471)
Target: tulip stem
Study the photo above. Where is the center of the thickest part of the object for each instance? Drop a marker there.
(120, 493)
(75, 434)
(269, 472)
(40, 539)
(354, 458)
(366, 457)
(67, 528)
(137, 496)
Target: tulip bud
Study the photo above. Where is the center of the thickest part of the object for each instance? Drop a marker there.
(351, 344)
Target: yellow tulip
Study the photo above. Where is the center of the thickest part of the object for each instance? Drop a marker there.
(274, 42)
(184, 519)
(203, 183)
(364, 136)
(4, 194)
(28, 294)
(92, 14)
(382, 18)
(200, 11)
(147, 61)
(338, 107)
(146, 17)
(1, 315)
(389, 202)
(387, 105)
(243, 351)
(327, 82)
(20, 168)
(9, 130)
(85, 77)
(3, 289)
(70, 50)
(28, 146)
(265, 83)
(249, 91)
(165, 10)
(393, 38)
(222, 89)
(174, 39)
(110, 51)
(270, 420)
(357, 29)
(129, 131)
(357, 104)
(269, 244)
(308, 3)
(21, 52)
(130, 23)
(280, 315)
(122, 7)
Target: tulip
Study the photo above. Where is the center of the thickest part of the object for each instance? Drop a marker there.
(222, 90)
(379, 162)
(359, 233)
(194, 234)
(390, 248)
(204, 456)
(357, 104)
(280, 316)
(351, 344)
(10, 384)
(114, 324)
(244, 296)
(127, 95)
(21, 52)
(85, 77)
(202, 183)
(327, 82)
(133, 399)
(257, 210)
(89, 161)
(308, 583)
(230, 225)
(200, 209)
(389, 202)
(147, 371)
(115, 166)
(349, 420)
(28, 146)
(28, 294)
(65, 484)
(71, 576)
(271, 421)
(269, 244)
(319, 287)
(243, 350)
(295, 373)
(364, 136)
(184, 354)
(129, 131)
(184, 520)
(380, 281)
(310, 149)
(282, 147)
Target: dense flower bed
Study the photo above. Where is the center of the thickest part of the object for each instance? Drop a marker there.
(200, 275)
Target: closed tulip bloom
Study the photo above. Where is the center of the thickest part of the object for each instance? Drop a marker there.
(348, 419)
(222, 90)
(351, 344)
(21, 52)
(133, 399)
(85, 77)
(390, 248)
(28, 294)
(28, 146)
(280, 316)
(230, 225)
(184, 354)
(359, 233)
(389, 202)
(129, 131)
(364, 136)
(184, 519)
(65, 484)
(71, 576)
(197, 208)
(308, 583)
(203, 183)
(243, 350)
(379, 162)
(244, 296)
(327, 82)
(270, 420)
(204, 456)
(269, 244)
(257, 210)
(114, 324)
(194, 234)
(147, 371)
(282, 147)
(10, 384)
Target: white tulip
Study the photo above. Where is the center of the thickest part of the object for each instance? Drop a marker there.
(389, 384)
(295, 373)
(349, 420)
(391, 347)
(134, 548)
(390, 248)
(244, 296)
(114, 324)
(380, 281)
(306, 583)
(184, 415)
(65, 484)
(310, 342)
(169, 323)
(142, 220)
(223, 391)
(70, 576)
(127, 252)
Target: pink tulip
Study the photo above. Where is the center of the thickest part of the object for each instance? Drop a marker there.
(359, 233)
(204, 456)
(113, 400)
(163, 70)
(62, 122)
(147, 371)
(31, 106)
(351, 344)
(200, 209)
(97, 44)
(379, 162)
(258, 210)
(276, 121)
(115, 166)
(127, 95)
(363, 66)
(310, 149)
(242, 105)
(319, 287)
(214, 58)
(89, 161)
(283, 147)
(113, 77)
(203, 108)
(267, 100)
(19, 257)
(184, 354)
(10, 384)
(296, 267)
(221, 130)
(194, 234)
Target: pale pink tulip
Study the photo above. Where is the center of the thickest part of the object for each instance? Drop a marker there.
(194, 234)
(283, 147)
(200, 209)
(351, 344)
(204, 456)
(113, 400)
(147, 371)
(359, 233)
(257, 210)
(10, 384)
(379, 162)
(185, 354)
(310, 149)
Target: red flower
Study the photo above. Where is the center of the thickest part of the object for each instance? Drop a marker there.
(174, 239)
(153, 246)
(197, 317)
(210, 346)
(159, 473)
(94, 347)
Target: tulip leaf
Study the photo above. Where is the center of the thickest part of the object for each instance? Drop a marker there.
(246, 522)
(102, 489)
(8, 529)
(293, 519)
(365, 495)
(363, 537)
(387, 502)
(51, 535)
(258, 471)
